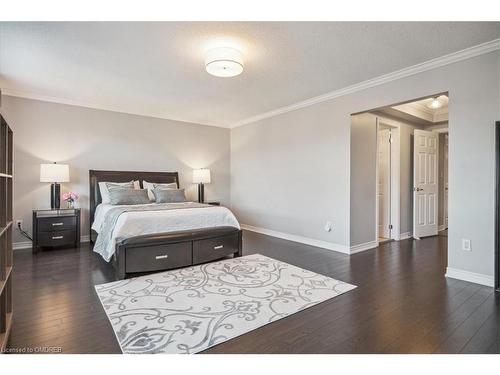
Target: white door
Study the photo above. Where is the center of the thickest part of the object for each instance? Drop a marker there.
(384, 183)
(446, 181)
(425, 181)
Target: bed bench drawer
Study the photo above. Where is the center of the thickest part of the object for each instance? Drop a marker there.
(161, 257)
(214, 248)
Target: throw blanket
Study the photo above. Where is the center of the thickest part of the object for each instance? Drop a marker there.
(106, 234)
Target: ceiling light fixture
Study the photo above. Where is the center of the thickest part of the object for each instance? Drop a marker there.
(435, 103)
(224, 62)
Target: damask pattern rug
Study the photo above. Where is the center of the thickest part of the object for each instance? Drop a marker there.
(191, 309)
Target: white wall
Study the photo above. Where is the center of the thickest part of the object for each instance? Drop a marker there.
(94, 139)
(290, 173)
(363, 178)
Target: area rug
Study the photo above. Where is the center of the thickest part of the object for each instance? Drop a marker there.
(191, 309)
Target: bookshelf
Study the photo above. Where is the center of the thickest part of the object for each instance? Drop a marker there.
(6, 138)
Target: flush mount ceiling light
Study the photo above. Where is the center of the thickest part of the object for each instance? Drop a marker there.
(224, 62)
(435, 103)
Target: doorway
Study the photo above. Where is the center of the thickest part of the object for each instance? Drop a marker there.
(420, 207)
(388, 183)
(384, 184)
(381, 210)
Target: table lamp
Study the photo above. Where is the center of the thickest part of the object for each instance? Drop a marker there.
(201, 177)
(54, 173)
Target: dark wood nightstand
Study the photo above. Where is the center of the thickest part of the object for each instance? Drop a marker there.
(213, 203)
(53, 228)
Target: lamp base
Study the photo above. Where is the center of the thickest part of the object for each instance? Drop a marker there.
(55, 196)
(201, 193)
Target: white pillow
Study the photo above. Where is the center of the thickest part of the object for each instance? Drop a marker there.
(104, 189)
(152, 185)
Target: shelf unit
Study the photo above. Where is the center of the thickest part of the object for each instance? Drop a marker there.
(6, 138)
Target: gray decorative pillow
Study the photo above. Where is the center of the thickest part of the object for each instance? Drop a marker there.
(119, 195)
(153, 185)
(128, 185)
(104, 188)
(169, 195)
(172, 185)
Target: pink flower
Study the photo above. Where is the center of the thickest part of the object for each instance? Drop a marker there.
(70, 197)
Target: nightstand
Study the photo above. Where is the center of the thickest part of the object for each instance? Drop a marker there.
(53, 228)
(213, 203)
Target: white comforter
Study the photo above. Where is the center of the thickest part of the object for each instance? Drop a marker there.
(137, 223)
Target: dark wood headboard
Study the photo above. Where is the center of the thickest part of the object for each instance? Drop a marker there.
(123, 176)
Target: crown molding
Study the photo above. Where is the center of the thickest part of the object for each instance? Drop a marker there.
(77, 103)
(480, 49)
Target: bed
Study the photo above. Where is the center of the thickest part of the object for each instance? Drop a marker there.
(156, 237)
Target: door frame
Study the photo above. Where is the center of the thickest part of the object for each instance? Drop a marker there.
(497, 206)
(446, 178)
(395, 195)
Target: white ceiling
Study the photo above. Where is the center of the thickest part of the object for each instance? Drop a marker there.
(157, 69)
(419, 111)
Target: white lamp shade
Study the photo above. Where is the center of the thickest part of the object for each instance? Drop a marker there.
(201, 176)
(54, 173)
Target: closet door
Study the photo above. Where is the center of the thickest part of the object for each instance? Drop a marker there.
(425, 180)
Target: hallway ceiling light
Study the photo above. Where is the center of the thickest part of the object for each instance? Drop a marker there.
(435, 103)
(224, 62)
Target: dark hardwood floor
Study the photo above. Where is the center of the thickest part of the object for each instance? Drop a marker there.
(403, 303)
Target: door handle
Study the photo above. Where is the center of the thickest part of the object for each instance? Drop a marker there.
(56, 224)
(164, 256)
(57, 237)
(417, 189)
(218, 247)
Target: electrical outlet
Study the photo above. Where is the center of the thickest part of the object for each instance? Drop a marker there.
(19, 223)
(466, 245)
(328, 226)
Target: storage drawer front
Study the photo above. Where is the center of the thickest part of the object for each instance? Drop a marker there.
(214, 248)
(155, 258)
(56, 224)
(57, 238)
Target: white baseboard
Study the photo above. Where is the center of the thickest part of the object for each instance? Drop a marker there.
(405, 235)
(21, 245)
(27, 244)
(472, 277)
(363, 247)
(300, 239)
